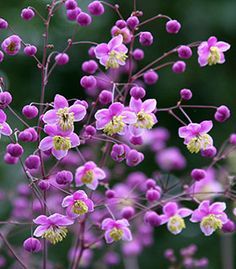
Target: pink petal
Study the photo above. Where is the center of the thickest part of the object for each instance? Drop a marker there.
(5, 129)
(122, 48)
(136, 131)
(212, 41)
(123, 222)
(60, 220)
(50, 116)
(222, 58)
(93, 186)
(197, 216)
(100, 174)
(79, 112)
(60, 102)
(3, 116)
(42, 219)
(116, 109)
(135, 105)
(170, 209)
(127, 234)
(40, 230)
(207, 230)
(204, 206)
(46, 143)
(79, 195)
(184, 132)
(68, 200)
(101, 50)
(51, 130)
(203, 61)
(74, 139)
(206, 126)
(217, 208)
(115, 42)
(149, 105)
(223, 46)
(59, 154)
(129, 117)
(108, 238)
(184, 212)
(107, 223)
(103, 60)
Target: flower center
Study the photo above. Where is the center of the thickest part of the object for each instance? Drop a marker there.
(176, 224)
(211, 222)
(87, 177)
(115, 59)
(145, 120)
(61, 143)
(11, 47)
(116, 234)
(66, 119)
(214, 57)
(80, 207)
(116, 125)
(55, 234)
(199, 142)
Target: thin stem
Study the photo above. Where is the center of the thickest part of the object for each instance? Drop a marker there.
(18, 117)
(175, 116)
(159, 16)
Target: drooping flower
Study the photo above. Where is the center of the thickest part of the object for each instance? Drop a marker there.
(12, 45)
(210, 216)
(89, 174)
(196, 137)
(116, 230)
(58, 141)
(114, 119)
(5, 129)
(113, 54)
(53, 228)
(64, 115)
(174, 217)
(77, 204)
(212, 52)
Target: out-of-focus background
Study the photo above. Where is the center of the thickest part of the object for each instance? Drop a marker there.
(211, 85)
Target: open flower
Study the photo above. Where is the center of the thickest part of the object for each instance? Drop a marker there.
(5, 129)
(58, 141)
(12, 45)
(116, 230)
(173, 216)
(89, 174)
(196, 137)
(212, 52)
(114, 119)
(77, 204)
(53, 228)
(211, 217)
(113, 54)
(63, 115)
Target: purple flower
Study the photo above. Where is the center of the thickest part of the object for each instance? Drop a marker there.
(77, 204)
(5, 129)
(211, 217)
(89, 174)
(12, 45)
(113, 54)
(116, 230)
(173, 216)
(212, 52)
(196, 137)
(114, 119)
(53, 228)
(58, 141)
(145, 116)
(64, 115)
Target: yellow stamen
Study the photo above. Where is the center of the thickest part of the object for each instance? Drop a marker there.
(114, 57)
(145, 120)
(80, 207)
(198, 143)
(66, 119)
(176, 224)
(214, 57)
(88, 177)
(55, 234)
(61, 143)
(116, 125)
(212, 222)
(116, 234)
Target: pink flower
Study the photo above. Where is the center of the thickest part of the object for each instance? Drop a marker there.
(211, 217)
(212, 52)
(63, 115)
(5, 129)
(59, 142)
(173, 216)
(113, 54)
(196, 137)
(53, 228)
(114, 119)
(116, 230)
(89, 174)
(77, 204)
(12, 45)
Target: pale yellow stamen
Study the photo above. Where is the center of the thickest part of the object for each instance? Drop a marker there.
(80, 207)
(114, 58)
(116, 234)
(214, 57)
(116, 125)
(145, 120)
(55, 234)
(211, 222)
(61, 143)
(66, 119)
(199, 142)
(176, 224)
(88, 177)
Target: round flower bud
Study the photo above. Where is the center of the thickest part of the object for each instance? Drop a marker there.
(70, 4)
(90, 130)
(105, 97)
(137, 92)
(173, 26)
(152, 218)
(64, 177)
(222, 113)
(179, 67)
(3, 24)
(150, 183)
(62, 58)
(169, 255)
(88, 82)
(15, 150)
(32, 245)
(145, 39)
(198, 174)
(209, 152)
(127, 212)
(132, 22)
(90, 67)
(153, 195)
(11, 45)
(83, 19)
(138, 54)
(30, 50)
(229, 227)
(72, 14)
(136, 140)
(1, 56)
(30, 111)
(150, 77)
(32, 162)
(134, 157)
(96, 8)
(110, 194)
(10, 159)
(91, 52)
(232, 139)
(44, 185)
(25, 136)
(121, 24)
(5, 99)
(27, 14)
(185, 52)
(186, 94)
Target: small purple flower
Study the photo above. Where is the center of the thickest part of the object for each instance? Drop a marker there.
(5, 129)
(64, 115)
(212, 52)
(196, 137)
(53, 228)
(113, 54)
(89, 174)
(211, 217)
(173, 216)
(116, 230)
(12, 45)
(77, 204)
(114, 119)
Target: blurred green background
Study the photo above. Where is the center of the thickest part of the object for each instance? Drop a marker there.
(211, 85)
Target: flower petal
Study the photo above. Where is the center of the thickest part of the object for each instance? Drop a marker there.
(46, 143)
(60, 102)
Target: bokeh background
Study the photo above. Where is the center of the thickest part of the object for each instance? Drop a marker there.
(211, 85)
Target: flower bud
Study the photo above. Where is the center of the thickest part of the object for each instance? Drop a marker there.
(3, 24)
(64, 177)
(127, 212)
(62, 58)
(44, 185)
(136, 140)
(152, 218)
(209, 152)
(105, 97)
(138, 54)
(91, 52)
(84, 19)
(121, 24)
(72, 14)
(134, 158)
(70, 4)
(179, 67)
(222, 113)
(145, 39)
(30, 111)
(119, 152)
(27, 14)
(10, 159)
(184, 52)
(90, 130)
(198, 174)
(186, 94)
(88, 82)
(153, 195)
(110, 194)
(1, 56)
(173, 26)
(232, 139)
(229, 227)
(32, 245)
(150, 183)
(132, 22)
(32, 162)
(150, 77)
(15, 150)
(30, 50)
(5, 99)
(137, 92)
(96, 8)
(90, 67)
